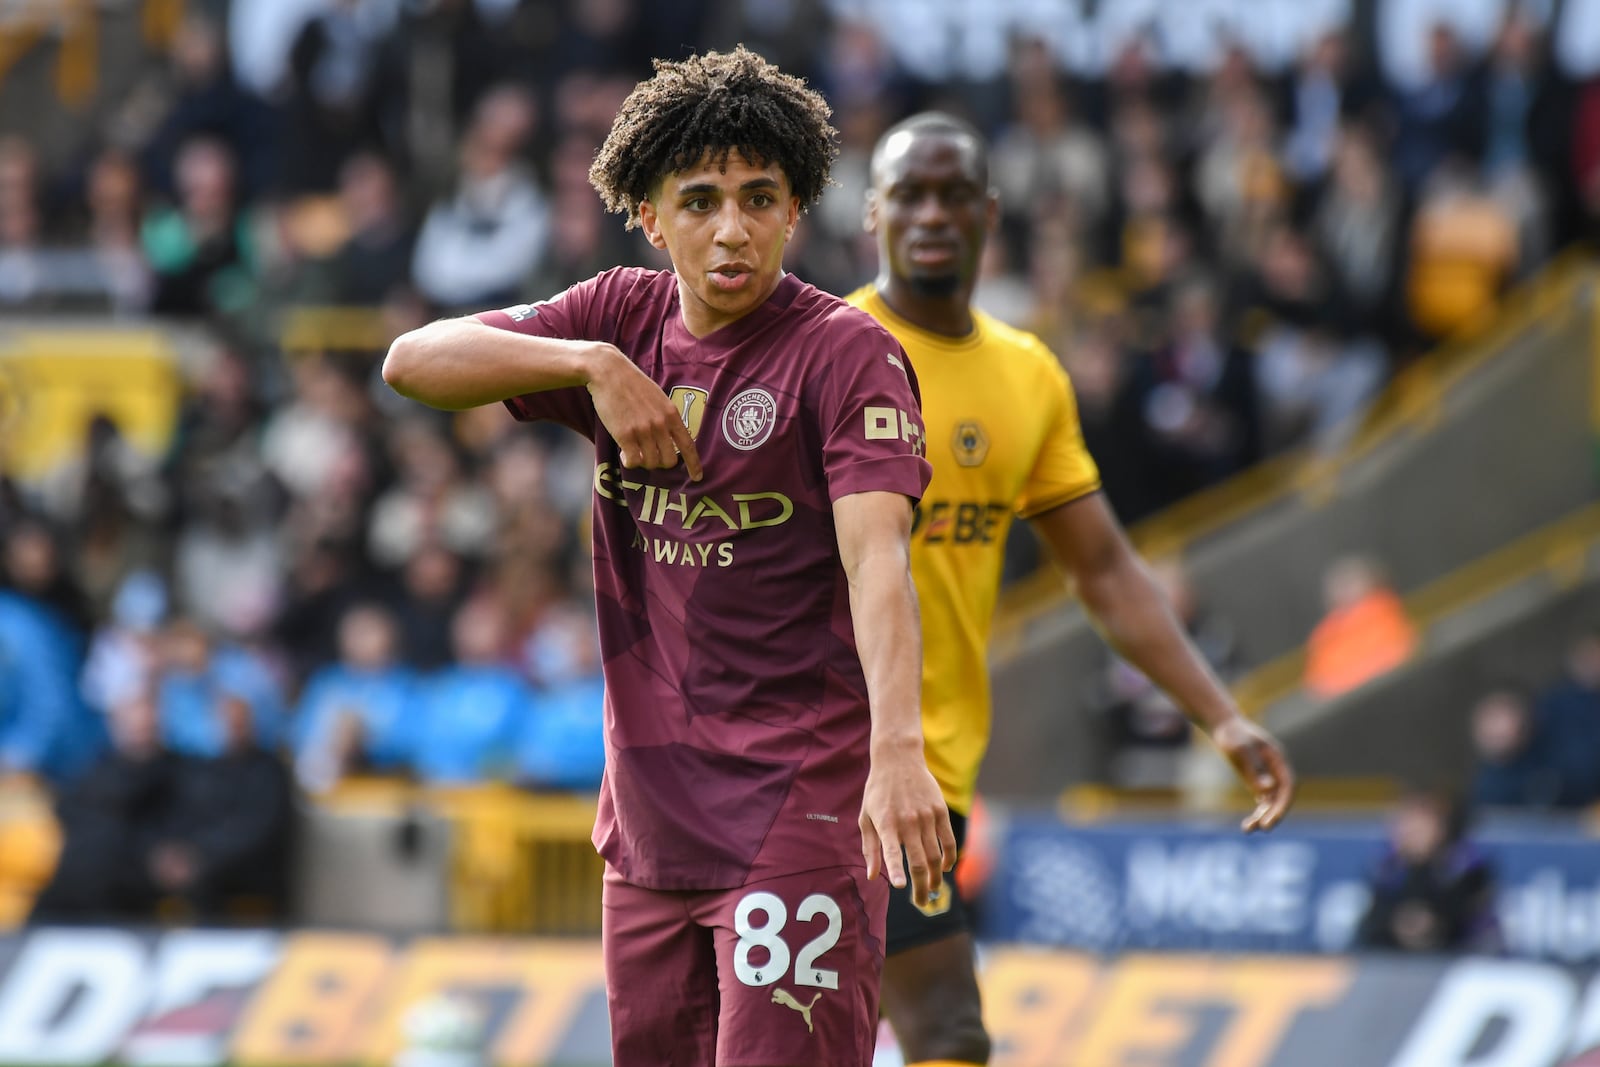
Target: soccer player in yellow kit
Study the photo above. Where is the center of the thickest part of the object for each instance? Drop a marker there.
(1003, 437)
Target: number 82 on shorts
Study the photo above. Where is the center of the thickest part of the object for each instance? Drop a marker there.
(768, 934)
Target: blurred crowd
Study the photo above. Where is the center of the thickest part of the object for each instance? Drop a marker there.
(1231, 260)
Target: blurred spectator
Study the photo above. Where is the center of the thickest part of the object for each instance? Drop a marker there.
(1517, 105)
(1197, 397)
(375, 259)
(307, 435)
(1149, 731)
(357, 714)
(561, 743)
(430, 502)
(111, 819)
(125, 653)
(1238, 179)
(1045, 153)
(469, 713)
(323, 584)
(433, 587)
(1314, 378)
(1463, 252)
(1434, 890)
(33, 568)
(1322, 92)
(1357, 224)
(1584, 163)
(228, 564)
(44, 729)
(1433, 119)
(480, 244)
(1364, 634)
(1512, 768)
(200, 249)
(195, 95)
(22, 269)
(342, 96)
(1567, 722)
(227, 832)
(114, 200)
(196, 674)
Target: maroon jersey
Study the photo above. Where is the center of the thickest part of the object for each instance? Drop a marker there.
(736, 710)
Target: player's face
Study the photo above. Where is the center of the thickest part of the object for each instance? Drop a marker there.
(931, 210)
(725, 228)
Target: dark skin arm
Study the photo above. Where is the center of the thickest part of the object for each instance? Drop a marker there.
(1124, 600)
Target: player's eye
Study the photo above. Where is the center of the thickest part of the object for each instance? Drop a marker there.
(698, 203)
(761, 200)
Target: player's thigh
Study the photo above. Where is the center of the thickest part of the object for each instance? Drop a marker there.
(799, 962)
(930, 984)
(661, 978)
(931, 998)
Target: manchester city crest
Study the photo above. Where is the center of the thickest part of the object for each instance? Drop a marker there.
(748, 419)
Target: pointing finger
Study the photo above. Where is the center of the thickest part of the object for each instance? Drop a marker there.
(685, 445)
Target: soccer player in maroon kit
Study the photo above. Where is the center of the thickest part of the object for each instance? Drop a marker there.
(758, 448)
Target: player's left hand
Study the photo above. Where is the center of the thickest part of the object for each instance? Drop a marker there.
(1259, 762)
(903, 808)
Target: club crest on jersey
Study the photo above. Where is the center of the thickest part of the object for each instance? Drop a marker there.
(691, 402)
(970, 443)
(748, 420)
(937, 905)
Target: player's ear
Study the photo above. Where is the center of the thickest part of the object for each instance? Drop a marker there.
(869, 212)
(650, 223)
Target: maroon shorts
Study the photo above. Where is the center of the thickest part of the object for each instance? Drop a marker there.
(782, 971)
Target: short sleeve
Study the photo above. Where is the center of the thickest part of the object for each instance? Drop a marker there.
(570, 315)
(871, 414)
(1064, 470)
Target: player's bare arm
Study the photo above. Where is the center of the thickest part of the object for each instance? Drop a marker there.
(902, 806)
(1119, 592)
(462, 363)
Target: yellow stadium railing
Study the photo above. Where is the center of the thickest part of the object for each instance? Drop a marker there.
(313, 329)
(520, 862)
(1095, 802)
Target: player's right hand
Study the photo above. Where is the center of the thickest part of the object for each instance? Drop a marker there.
(902, 808)
(647, 428)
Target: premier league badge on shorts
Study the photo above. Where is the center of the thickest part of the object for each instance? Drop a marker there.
(747, 422)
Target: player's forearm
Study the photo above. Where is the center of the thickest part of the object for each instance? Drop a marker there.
(883, 605)
(1135, 619)
(462, 363)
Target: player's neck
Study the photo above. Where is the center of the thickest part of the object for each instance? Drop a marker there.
(948, 316)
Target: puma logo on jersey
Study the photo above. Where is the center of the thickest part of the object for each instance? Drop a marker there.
(894, 361)
(786, 998)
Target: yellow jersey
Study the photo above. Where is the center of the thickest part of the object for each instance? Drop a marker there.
(1002, 434)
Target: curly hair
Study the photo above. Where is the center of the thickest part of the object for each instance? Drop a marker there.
(714, 104)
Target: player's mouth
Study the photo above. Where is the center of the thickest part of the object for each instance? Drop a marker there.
(932, 253)
(731, 278)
